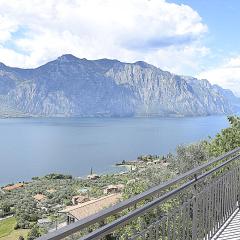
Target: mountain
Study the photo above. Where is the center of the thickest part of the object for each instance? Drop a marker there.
(228, 94)
(69, 86)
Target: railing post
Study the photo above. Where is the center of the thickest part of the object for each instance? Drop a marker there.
(238, 184)
(194, 211)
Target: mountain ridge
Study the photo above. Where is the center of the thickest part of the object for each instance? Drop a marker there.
(72, 87)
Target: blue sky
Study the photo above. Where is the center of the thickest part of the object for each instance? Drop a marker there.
(189, 37)
(222, 18)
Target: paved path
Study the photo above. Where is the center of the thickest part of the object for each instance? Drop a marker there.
(1, 219)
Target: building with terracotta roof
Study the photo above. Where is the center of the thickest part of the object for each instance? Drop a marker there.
(79, 199)
(113, 188)
(13, 187)
(93, 176)
(40, 197)
(51, 190)
(91, 207)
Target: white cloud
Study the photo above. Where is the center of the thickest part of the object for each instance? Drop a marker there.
(167, 35)
(226, 75)
(7, 27)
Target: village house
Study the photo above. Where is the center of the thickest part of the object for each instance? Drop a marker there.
(79, 199)
(165, 164)
(40, 197)
(43, 222)
(89, 208)
(93, 176)
(51, 190)
(84, 190)
(13, 187)
(113, 189)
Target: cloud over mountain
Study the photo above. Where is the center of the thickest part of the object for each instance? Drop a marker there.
(227, 75)
(34, 32)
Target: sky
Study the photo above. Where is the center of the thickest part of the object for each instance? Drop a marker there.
(198, 38)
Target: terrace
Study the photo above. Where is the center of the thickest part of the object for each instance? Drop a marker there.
(202, 203)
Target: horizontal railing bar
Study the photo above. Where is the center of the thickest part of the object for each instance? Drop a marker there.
(217, 167)
(81, 224)
(109, 228)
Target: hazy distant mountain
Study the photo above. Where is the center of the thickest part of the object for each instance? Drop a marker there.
(228, 94)
(70, 86)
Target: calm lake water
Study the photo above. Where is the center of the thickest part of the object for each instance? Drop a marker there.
(35, 147)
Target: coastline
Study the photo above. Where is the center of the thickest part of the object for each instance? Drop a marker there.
(73, 146)
(122, 169)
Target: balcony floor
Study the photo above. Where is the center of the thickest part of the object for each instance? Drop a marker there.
(231, 229)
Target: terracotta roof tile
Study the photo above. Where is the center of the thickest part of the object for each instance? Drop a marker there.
(39, 197)
(86, 209)
(13, 187)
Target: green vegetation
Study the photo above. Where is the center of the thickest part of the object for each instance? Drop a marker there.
(57, 176)
(148, 157)
(7, 231)
(58, 189)
(20, 234)
(35, 232)
(228, 139)
(7, 226)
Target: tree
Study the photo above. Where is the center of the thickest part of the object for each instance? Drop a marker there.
(190, 156)
(35, 178)
(22, 223)
(227, 140)
(34, 233)
(6, 208)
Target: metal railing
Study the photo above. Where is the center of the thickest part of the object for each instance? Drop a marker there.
(193, 205)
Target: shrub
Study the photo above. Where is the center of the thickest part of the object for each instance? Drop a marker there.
(34, 233)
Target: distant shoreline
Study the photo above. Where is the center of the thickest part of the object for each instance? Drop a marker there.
(37, 146)
(173, 116)
(83, 177)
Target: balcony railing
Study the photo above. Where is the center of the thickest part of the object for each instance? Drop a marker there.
(194, 205)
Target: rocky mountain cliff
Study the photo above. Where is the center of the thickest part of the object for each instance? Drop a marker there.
(69, 86)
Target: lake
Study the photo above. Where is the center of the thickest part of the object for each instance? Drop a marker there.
(35, 147)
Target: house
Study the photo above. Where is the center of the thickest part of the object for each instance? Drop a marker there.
(113, 188)
(44, 221)
(93, 176)
(40, 197)
(84, 190)
(89, 208)
(165, 164)
(51, 190)
(13, 187)
(79, 199)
